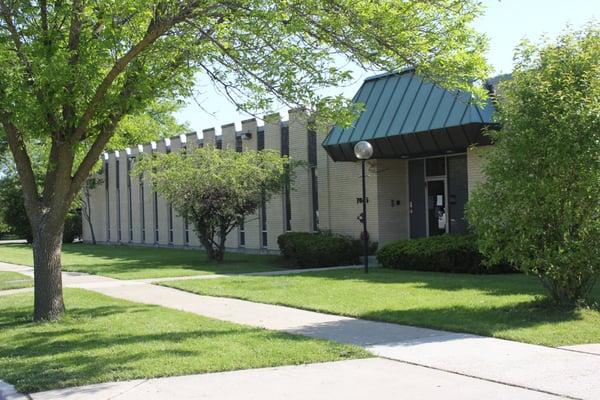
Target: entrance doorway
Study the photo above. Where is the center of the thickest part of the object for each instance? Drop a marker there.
(438, 192)
(437, 214)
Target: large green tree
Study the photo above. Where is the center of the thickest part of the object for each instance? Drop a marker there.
(540, 206)
(154, 122)
(215, 189)
(71, 70)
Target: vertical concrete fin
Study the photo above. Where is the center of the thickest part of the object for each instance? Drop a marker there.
(228, 136)
(209, 137)
(275, 206)
(301, 197)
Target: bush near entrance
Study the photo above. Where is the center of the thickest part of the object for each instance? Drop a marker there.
(539, 207)
(306, 249)
(445, 253)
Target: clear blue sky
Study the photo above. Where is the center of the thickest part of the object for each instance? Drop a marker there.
(505, 23)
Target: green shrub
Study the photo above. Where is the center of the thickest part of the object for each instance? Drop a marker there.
(305, 249)
(446, 253)
(72, 228)
(4, 230)
(13, 210)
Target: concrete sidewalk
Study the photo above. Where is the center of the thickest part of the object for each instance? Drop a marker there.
(344, 380)
(13, 241)
(548, 370)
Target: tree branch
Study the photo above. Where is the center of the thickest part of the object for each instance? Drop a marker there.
(23, 162)
(106, 132)
(156, 29)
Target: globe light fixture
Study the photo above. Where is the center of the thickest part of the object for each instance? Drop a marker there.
(364, 151)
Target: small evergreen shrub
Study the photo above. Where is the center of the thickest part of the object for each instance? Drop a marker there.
(445, 253)
(306, 249)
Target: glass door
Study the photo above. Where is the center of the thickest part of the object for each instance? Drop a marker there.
(437, 216)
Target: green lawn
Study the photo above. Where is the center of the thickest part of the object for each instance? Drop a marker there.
(505, 306)
(13, 280)
(131, 262)
(103, 339)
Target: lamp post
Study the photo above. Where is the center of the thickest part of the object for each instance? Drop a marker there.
(363, 151)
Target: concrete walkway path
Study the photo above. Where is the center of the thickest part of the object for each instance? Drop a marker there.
(13, 241)
(542, 369)
(345, 380)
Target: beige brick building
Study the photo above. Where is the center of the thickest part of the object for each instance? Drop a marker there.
(428, 156)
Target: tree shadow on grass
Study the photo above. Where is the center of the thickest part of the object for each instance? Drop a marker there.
(118, 259)
(495, 321)
(493, 284)
(511, 284)
(113, 343)
(518, 322)
(15, 318)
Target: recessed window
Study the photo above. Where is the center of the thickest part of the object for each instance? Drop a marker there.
(142, 211)
(107, 200)
(129, 200)
(435, 166)
(118, 183)
(155, 201)
(242, 236)
(263, 223)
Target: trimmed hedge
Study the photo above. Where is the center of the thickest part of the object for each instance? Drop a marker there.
(445, 253)
(306, 249)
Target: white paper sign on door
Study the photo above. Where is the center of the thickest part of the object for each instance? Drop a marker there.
(440, 200)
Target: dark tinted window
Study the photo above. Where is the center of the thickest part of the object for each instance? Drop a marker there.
(261, 140)
(435, 166)
(285, 141)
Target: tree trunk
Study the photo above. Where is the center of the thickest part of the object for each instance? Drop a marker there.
(213, 253)
(47, 244)
(87, 213)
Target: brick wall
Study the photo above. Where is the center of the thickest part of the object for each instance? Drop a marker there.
(339, 187)
(475, 163)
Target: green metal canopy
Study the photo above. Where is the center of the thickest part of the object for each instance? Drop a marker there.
(407, 116)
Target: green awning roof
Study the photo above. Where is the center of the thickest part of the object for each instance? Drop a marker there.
(407, 116)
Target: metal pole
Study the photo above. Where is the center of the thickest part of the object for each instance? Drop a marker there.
(365, 235)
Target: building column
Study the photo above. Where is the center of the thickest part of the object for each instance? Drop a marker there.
(178, 231)
(97, 209)
(208, 137)
(228, 137)
(148, 226)
(135, 200)
(191, 143)
(111, 235)
(301, 194)
(323, 165)
(275, 207)
(251, 222)
(163, 206)
(123, 206)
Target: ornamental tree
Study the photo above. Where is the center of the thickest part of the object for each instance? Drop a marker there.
(540, 206)
(215, 189)
(72, 70)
